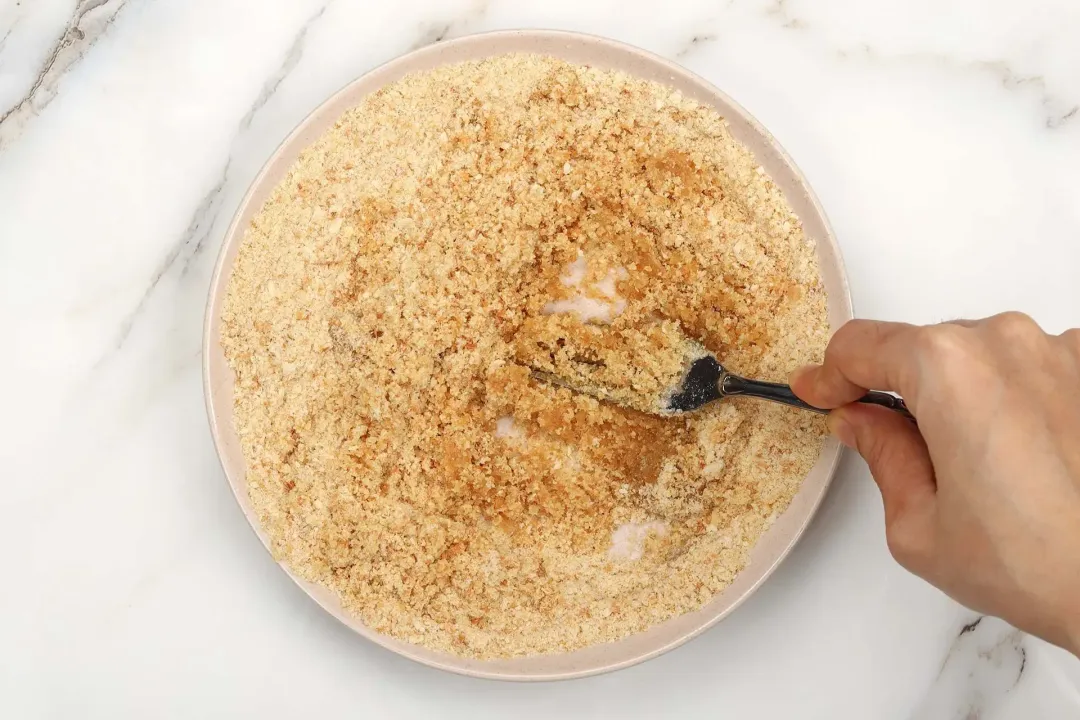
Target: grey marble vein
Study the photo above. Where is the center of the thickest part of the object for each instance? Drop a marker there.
(779, 9)
(7, 34)
(437, 31)
(694, 43)
(202, 219)
(1054, 122)
(192, 240)
(180, 256)
(87, 24)
(1057, 111)
(292, 58)
(985, 661)
(431, 34)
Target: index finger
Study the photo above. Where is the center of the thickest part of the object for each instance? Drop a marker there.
(863, 354)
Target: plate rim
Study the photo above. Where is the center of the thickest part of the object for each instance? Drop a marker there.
(831, 452)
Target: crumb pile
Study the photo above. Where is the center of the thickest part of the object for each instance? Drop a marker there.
(453, 229)
(639, 367)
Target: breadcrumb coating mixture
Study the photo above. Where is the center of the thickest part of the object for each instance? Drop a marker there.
(455, 229)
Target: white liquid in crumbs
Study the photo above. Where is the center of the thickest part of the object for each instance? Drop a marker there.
(628, 540)
(505, 428)
(589, 308)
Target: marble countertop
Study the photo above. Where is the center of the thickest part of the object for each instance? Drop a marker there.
(942, 138)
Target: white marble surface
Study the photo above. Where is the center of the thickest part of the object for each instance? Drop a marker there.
(942, 137)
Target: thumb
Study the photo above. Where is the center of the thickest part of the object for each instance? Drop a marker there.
(896, 453)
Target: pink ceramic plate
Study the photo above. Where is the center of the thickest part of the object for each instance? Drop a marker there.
(587, 50)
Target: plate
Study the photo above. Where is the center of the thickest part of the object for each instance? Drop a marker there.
(582, 49)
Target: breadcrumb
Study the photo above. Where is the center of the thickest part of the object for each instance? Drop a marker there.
(390, 294)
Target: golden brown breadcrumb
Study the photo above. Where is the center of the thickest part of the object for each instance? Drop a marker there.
(454, 227)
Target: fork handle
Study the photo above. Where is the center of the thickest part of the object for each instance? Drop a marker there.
(782, 393)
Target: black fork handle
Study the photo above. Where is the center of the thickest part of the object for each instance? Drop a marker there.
(781, 393)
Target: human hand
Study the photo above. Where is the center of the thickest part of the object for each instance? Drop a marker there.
(982, 498)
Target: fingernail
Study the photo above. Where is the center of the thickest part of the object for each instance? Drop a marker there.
(841, 429)
(799, 375)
